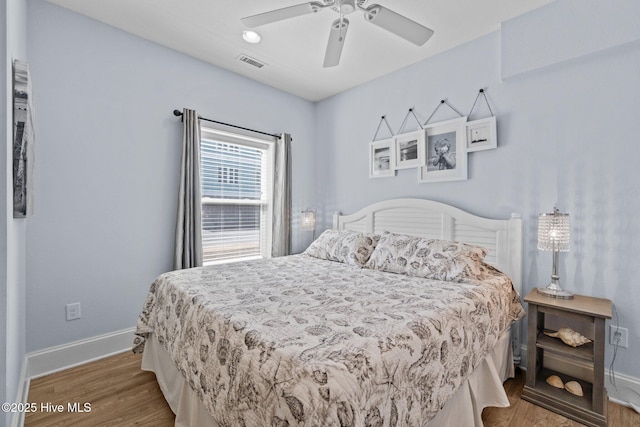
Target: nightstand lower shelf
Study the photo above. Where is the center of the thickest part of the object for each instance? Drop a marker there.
(578, 408)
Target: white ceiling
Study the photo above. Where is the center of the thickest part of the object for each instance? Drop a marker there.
(293, 50)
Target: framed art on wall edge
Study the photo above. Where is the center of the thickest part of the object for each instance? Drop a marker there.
(382, 158)
(446, 152)
(23, 140)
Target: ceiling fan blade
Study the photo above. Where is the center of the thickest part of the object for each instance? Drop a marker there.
(336, 42)
(282, 14)
(397, 24)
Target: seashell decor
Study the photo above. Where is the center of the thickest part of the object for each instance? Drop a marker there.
(555, 381)
(574, 387)
(569, 337)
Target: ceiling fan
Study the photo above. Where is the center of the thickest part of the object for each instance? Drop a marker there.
(379, 15)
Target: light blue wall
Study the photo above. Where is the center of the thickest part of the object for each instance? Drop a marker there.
(544, 35)
(13, 20)
(567, 135)
(108, 148)
(107, 165)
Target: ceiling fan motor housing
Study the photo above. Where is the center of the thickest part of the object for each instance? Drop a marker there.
(344, 6)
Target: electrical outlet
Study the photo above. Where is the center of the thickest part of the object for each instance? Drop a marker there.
(619, 335)
(73, 311)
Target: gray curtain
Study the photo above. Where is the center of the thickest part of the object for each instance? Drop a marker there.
(281, 231)
(188, 251)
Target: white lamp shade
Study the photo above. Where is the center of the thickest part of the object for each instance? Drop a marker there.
(553, 232)
(308, 220)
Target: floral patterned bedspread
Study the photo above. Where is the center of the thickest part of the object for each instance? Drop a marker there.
(302, 341)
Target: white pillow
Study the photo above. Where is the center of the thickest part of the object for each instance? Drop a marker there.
(346, 246)
(430, 258)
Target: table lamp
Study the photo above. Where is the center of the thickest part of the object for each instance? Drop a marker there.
(308, 221)
(553, 235)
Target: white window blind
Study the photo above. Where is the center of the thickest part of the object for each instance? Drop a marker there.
(236, 176)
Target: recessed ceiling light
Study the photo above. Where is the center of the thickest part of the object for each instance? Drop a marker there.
(251, 36)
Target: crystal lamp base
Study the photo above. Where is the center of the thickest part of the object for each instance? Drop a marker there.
(555, 291)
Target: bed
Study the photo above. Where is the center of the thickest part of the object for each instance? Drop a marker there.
(403, 314)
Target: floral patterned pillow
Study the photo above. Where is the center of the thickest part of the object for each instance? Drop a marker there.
(430, 258)
(346, 246)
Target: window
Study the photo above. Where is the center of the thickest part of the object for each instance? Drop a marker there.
(228, 175)
(236, 174)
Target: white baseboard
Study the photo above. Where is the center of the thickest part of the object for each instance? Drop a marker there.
(59, 358)
(54, 359)
(625, 390)
(17, 419)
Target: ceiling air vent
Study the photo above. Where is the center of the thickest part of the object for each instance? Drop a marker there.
(251, 61)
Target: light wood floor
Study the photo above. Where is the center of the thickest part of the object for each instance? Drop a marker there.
(120, 394)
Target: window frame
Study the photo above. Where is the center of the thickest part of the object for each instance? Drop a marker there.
(221, 134)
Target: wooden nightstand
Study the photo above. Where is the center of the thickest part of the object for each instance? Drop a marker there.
(550, 356)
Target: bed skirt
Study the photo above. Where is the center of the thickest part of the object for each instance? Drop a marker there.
(484, 388)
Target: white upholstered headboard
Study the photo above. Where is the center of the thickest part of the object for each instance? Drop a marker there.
(435, 220)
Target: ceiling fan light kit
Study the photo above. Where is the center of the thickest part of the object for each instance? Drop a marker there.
(378, 15)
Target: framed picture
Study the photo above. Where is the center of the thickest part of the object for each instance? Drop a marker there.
(481, 134)
(409, 149)
(382, 158)
(23, 139)
(446, 152)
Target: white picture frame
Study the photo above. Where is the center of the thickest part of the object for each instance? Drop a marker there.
(445, 152)
(409, 149)
(382, 158)
(481, 134)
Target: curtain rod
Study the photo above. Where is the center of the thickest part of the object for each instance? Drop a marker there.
(178, 113)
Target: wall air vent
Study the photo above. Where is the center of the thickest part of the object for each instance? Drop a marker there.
(251, 61)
